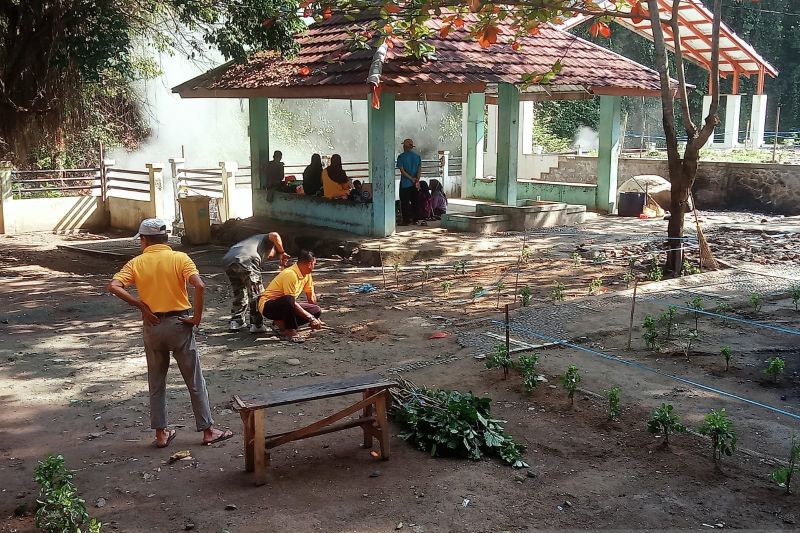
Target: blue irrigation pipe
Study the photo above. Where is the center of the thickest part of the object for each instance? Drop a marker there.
(767, 325)
(646, 368)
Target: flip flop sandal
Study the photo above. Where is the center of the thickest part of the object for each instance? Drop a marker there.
(224, 436)
(172, 434)
(297, 339)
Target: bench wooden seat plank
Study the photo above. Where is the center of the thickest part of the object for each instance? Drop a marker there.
(314, 391)
(374, 403)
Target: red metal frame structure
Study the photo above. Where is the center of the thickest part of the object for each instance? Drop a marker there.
(736, 57)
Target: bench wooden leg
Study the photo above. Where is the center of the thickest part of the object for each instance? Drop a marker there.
(247, 423)
(383, 424)
(260, 459)
(367, 412)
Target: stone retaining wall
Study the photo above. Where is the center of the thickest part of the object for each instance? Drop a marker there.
(769, 188)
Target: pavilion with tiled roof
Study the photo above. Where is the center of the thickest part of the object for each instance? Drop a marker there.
(461, 71)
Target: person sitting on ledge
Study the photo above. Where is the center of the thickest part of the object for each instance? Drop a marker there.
(335, 183)
(278, 302)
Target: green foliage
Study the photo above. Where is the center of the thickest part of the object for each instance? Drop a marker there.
(570, 381)
(576, 259)
(527, 365)
(525, 255)
(688, 269)
(544, 135)
(460, 267)
(668, 319)
(595, 285)
(499, 359)
(525, 292)
(476, 292)
(613, 402)
(565, 117)
(775, 367)
(783, 475)
(558, 292)
(663, 420)
(451, 423)
(499, 288)
(719, 428)
(60, 507)
(726, 352)
(655, 272)
(446, 286)
(795, 294)
(650, 334)
(600, 258)
(695, 305)
(723, 308)
(755, 302)
(691, 336)
(628, 278)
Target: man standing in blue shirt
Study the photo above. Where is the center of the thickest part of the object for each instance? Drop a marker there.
(410, 165)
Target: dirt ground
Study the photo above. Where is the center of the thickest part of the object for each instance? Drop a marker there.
(73, 381)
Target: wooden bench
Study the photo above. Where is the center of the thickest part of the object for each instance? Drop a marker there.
(373, 405)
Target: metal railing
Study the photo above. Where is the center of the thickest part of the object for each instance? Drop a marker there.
(46, 183)
(127, 183)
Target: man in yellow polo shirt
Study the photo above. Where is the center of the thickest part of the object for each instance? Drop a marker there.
(160, 275)
(278, 301)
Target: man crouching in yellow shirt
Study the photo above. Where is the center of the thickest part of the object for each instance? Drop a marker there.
(278, 301)
(160, 275)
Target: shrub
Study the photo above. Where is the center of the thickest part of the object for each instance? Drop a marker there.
(662, 420)
(499, 359)
(628, 278)
(728, 355)
(695, 305)
(688, 269)
(595, 285)
(527, 365)
(525, 292)
(446, 286)
(719, 428)
(613, 402)
(60, 508)
(795, 293)
(476, 292)
(655, 272)
(755, 302)
(668, 318)
(650, 334)
(570, 380)
(558, 292)
(783, 475)
(576, 259)
(775, 367)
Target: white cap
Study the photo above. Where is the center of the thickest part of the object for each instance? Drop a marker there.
(152, 226)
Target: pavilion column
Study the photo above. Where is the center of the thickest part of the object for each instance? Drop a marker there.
(758, 120)
(507, 143)
(474, 135)
(259, 141)
(706, 110)
(380, 135)
(608, 153)
(733, 107)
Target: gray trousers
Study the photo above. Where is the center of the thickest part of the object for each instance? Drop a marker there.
(172, 335)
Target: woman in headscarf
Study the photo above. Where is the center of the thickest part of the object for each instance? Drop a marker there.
(312, 176)
(438, 199)
(335, 183)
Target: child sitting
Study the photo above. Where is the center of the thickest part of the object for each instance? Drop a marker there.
(424, 203)
(438, 199)
(357, 193)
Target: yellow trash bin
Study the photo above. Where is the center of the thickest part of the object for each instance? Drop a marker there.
(196, 219)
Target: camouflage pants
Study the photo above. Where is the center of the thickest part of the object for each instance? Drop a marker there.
(246, 285)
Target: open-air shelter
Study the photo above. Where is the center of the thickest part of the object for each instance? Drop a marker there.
(327, 68)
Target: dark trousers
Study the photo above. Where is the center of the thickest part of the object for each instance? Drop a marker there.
(283, 309)
(247, 286)
(408, 204)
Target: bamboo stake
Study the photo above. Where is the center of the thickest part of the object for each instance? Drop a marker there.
(383, 269)
(633, 309)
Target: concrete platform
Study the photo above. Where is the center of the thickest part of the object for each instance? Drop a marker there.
(491, 218)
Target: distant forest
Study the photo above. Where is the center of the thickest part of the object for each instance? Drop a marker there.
(772, 27)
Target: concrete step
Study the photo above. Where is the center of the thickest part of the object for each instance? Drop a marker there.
(476, 223)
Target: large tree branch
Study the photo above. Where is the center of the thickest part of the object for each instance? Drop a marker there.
(683, 96)
(712, 119)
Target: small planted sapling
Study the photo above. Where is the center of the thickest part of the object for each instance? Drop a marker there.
(599, 258)
(396, 268)
(570, 380)
(695, 306)
(426, 274)
(722, 308)
(795, 294)
(755, 302)
(446, 286)
(613, 402)
(687, 269)
(628, 278)
(655, 272)
(668, 319)
(558, 292)
(499, 287)
(525, 292)
(783, 475)
(775, 367)
(527, 365)
(595, 285)
(719, 429)
(650, 334)
(728, 355)
(476, 292)
(691, 337)
(499, 359)
(664, 421)
(576, 259)
(525, 254)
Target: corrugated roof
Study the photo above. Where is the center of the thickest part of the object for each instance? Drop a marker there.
(736, 54)
(461, 66)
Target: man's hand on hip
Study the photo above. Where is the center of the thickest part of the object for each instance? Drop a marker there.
(147, 315)
(193, 320)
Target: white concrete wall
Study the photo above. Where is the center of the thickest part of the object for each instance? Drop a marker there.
(53, 214)
(127, 213)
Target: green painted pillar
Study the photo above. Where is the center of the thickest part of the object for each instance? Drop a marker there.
(507, 143)
(473, 164)
(608, 153)
(259, 141)
(380, 135)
